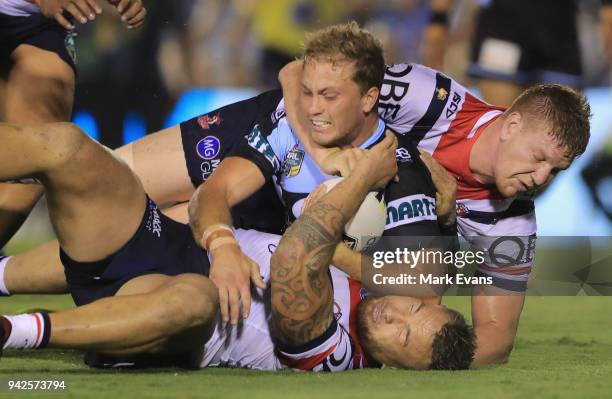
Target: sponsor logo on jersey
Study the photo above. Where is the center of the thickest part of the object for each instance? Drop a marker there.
(403, 155)
(205, 121)
(208, 148)
(259, 142)
(349, 241)
(410, 209)
(512, 251)
(441, 93)
(462, 210)
(293, 161)
(454, 105)
(337, 311)
(207, 167)
(277, 115)
(71, 46)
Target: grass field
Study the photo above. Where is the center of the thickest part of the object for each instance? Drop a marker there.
(563, 350)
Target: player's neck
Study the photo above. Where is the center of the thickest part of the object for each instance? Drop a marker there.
(484, 153)
(366, 130)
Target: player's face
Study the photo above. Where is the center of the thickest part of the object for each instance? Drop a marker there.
(528, 157)
(399, 331)
(332, 102)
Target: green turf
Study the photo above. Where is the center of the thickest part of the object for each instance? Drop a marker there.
(563, 350)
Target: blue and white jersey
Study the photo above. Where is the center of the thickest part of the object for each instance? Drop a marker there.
(280, 156)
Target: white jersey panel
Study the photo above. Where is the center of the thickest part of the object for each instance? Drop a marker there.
(18, 8)
(250, 344)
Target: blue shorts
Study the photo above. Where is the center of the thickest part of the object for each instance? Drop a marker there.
(38, 31)
(159, 246)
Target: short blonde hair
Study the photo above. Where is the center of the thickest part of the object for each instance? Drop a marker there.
(348, 42)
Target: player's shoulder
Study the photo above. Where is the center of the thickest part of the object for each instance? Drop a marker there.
(413, 96)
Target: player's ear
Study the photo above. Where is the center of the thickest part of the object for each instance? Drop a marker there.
(369, 99)
(513, 123)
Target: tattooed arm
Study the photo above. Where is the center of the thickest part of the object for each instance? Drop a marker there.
(302, 296)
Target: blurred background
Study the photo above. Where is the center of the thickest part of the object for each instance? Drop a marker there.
(192, 56)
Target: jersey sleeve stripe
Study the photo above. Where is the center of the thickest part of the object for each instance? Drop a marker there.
(436, 106)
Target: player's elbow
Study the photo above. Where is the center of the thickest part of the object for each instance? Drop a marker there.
(502, 354)
(498, 353)
(284, 257)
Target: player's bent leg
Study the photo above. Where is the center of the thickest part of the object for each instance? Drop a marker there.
(16, 203)
(498, 92)
(37, 271)
(91, 193)
(39, 87)
(151, 314)
(159, 161)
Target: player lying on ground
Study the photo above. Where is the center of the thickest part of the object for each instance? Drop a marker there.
(140, 281)
(494, 153)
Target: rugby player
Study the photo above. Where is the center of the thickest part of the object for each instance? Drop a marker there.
(37, 76)
(142, 287)
(499, 158)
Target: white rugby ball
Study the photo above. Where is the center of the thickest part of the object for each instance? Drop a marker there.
(363, 231)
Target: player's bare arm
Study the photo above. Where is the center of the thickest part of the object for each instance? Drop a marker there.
(209, 214)
(302, 297)
(495, 314)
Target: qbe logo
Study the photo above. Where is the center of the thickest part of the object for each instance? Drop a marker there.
(208, 147)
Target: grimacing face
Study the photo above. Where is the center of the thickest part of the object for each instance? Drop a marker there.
(528, 156)
(332, 102)
(398, 331)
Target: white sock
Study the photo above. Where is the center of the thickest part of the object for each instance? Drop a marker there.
(28, 331)
(3, 263)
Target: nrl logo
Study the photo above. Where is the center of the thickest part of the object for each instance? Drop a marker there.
(293, 161)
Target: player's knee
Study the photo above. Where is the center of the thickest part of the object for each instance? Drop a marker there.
(62, 141)
(189, 301)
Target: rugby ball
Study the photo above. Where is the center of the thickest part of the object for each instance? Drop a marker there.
(363, 231)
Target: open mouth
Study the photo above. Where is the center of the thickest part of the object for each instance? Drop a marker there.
(320, 125)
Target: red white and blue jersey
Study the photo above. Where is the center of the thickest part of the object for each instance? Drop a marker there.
(445, 119)
(250, 344)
